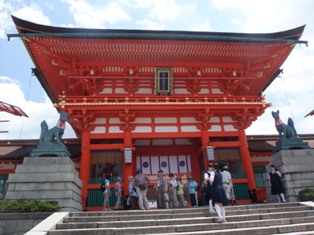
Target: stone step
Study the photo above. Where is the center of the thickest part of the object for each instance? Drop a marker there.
(296, 229)
(304, 210)
(234, 228)
(294, 217)
(236, 208)
(185, 222)
(283, 218)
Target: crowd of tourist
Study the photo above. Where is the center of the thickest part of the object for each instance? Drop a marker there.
(216, 190)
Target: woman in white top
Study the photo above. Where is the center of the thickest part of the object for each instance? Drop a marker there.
(209, 179)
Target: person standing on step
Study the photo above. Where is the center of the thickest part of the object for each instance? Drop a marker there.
(275, 183)
(118, 193)
(227, 184)
(192, 185)
(132, 198)
(173, 191)
(105, 188)
(161, 188)
(209, 179)
(180, 192)
(219, 196)
(141, 182)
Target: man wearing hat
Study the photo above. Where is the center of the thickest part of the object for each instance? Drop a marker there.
(161, 188)
(141, 182)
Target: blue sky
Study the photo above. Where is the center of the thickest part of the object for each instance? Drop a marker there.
(291, 93)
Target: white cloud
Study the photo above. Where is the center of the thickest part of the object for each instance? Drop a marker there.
(161, 10)
(151, 25)
(22, 127)
(205, 26)
(293, 93)
(88, 15)
(5, 24)
(164, 10)
(32, 13)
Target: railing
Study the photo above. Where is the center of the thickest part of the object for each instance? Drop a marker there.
(96, 197)
(241, 191)
(177, 100)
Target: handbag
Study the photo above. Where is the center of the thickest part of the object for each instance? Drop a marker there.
(128, 201)
(166, 197)
(142, 187)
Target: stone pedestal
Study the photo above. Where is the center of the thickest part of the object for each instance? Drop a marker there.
(290, 144)
(47, 179)
(50, 149)
(298, 172)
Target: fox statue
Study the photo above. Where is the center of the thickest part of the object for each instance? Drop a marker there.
(284, 130)
(48, 135)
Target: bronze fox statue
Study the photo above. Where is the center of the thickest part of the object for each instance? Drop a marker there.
(284, 130)
(48, 135)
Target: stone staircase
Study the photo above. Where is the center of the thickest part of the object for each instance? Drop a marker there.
(277, 218)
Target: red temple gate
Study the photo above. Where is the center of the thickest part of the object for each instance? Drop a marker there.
(168, 100)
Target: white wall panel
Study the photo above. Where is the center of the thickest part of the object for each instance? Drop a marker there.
(166, 120)
(164, 164)
(106, 91)
(216, 91)
(215, 128)
(204, 91)
(155, 164)
(99, 121)
(99, 129)
(144, 129)
(189, 129)
(187, 120)
(166, 129)
(138, 162)
(227, 119)
(169, 164)
(183, 167)
(214, 119)
(173, 164)
(146, 165)
(114, 120)
(229, 128)
(115, 129)
(142, 120)
(120, 91)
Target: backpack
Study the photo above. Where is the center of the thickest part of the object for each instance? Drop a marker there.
(103, 186)
(178, 186)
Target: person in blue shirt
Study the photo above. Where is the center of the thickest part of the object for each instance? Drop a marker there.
(161, 188)
(192, 185)
(132, 199)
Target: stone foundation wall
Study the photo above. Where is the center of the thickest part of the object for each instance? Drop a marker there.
(20, 223)
(297, 167)
(47, 179)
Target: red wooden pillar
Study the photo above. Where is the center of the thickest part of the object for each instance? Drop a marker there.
(204, 139)
(246, 159)
(127, 167)
(85, 166)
